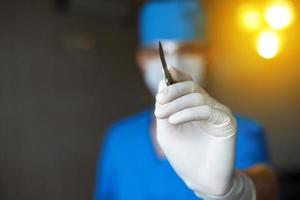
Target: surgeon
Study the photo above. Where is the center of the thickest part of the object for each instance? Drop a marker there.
(188, 146)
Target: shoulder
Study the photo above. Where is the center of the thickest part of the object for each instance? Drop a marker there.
(251, 142)
(124, 136)
(251, 134)
(131, 122)
(130, 127)
(248, 125)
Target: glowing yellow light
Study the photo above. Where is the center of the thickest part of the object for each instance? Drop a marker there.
(280, 14)
(268, 44)
(250, 17)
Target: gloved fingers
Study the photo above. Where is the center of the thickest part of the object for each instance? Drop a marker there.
(220, 106)
(196, 113)
(199, 113)
(167, 94)
(219, 117)
(183, 102)
(162, 85)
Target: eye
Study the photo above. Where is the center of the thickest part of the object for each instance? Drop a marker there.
(190, 49)
(151, 52)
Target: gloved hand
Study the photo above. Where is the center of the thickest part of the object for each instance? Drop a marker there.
(198, 136)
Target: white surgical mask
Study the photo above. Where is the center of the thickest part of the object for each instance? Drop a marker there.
(192, 65)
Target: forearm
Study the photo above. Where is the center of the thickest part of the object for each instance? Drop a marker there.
(265, 181)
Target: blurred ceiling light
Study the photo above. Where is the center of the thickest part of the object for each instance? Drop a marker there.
(250, 17)
(280, 14)
(268, 44)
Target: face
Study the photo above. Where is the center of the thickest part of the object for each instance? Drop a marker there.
(187, 57)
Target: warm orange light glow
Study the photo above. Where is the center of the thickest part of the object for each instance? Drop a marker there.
(280, 14)
(268, 44)
(250, 17)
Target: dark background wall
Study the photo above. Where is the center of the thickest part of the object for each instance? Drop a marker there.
(63, 79)
(66, 75)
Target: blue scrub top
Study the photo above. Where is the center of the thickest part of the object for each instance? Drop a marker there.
(129, 168)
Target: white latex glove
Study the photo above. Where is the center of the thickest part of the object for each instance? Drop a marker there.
(198, 136)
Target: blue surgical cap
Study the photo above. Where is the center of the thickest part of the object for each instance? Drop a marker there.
(180, 20)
